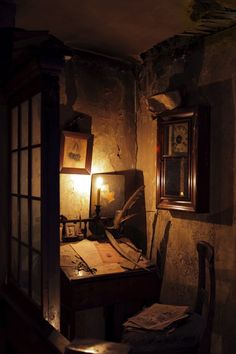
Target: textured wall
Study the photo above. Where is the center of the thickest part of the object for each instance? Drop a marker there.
(97, 95)
(205, 72)
(101, 93)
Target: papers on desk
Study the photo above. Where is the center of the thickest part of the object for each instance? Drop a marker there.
(100, 256)
(158, 317)
(88, 252)
(107, 253)
(67, 256)
(96, 255)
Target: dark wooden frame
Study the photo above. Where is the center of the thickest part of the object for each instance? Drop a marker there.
(49, 87)
(198, 160)
(36, 72)
(86, 169)
(29, 92)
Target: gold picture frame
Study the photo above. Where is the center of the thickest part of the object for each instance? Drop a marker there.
(76, 152)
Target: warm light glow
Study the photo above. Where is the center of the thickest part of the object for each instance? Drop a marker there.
(81, 183)
(99, 182)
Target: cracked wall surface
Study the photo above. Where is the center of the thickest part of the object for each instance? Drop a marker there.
(204, 71)
(98, 95)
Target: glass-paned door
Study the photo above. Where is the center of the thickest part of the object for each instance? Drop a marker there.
(25, 152)
(34, 196)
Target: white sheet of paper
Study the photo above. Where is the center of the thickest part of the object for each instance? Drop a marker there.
(88, 252)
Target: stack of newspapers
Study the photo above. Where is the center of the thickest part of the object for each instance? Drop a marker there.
(158, 317)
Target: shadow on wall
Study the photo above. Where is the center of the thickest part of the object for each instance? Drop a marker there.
(220, 96)
(72, 120)
(135, 228)
(184, 59)
(80, 122)
(162, 251)
(69, 92)
(189, 57)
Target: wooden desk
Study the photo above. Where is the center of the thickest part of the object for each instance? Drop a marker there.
(121, 294)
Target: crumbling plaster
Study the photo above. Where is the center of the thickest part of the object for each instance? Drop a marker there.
(103, 91)
(204, 72)
(98, 95)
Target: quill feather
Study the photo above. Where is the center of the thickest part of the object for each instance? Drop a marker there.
(121, 217)
(117, 247)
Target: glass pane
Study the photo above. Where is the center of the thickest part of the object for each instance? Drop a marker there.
(176, 139)
(36, 172)
(24, 172)
(176, 177)
(24, 123)
(14, 172)
(36, 119)
(36, 277)
(24, 268)
(36, 224)
(14, 217)
(24, 226)
(14, 128)
(14, 258)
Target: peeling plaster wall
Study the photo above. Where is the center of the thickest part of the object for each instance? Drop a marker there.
(97, 97)
(100, 93)
(205, 72)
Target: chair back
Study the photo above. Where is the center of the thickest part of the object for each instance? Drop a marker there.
(205, 302)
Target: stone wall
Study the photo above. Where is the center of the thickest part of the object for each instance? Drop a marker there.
(204, 72)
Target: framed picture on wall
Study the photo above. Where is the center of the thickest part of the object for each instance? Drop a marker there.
(76, 152)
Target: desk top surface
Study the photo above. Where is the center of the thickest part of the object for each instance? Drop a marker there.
(89, 259)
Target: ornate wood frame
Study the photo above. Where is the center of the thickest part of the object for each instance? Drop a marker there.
(197, 198)
(76, 152)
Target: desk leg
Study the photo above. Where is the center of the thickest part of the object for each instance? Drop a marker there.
(115, 315)
(109, 315)
(68, 323)
(72, 325)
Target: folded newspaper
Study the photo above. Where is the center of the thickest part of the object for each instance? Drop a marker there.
(158, 317)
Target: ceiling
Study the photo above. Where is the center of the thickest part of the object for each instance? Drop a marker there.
(113, 27)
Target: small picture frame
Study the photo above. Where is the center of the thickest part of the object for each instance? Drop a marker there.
(76, 152)
(70, 230)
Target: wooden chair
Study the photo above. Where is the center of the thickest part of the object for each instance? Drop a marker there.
(193, 335)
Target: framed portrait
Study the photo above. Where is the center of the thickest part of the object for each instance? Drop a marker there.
(76, 152)
(108, 191)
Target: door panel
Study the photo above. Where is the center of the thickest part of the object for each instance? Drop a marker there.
(34, 195)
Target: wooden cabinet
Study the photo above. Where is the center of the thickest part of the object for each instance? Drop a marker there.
(183, 159)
